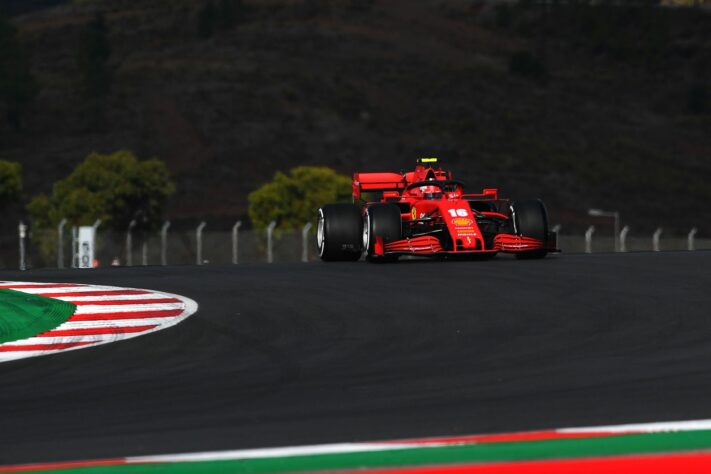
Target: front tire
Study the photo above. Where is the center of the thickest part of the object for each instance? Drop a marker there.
(531, 220)
(339, 231)
(381, 220)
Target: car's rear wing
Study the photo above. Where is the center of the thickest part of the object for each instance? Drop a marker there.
(394, 182)
(370, 182)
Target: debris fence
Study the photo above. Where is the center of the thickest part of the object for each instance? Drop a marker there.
(202, 246)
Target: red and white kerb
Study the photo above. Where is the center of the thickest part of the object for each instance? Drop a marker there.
(103, 314)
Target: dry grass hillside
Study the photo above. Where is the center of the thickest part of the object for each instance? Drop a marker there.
(582, 106)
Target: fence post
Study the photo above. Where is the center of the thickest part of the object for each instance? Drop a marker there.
(129, 243)
(96, 225)
(655, 239)
(75, 246)
(60, 243)
(692, 235)
(623, 238)
(270, 232)
(164, 243)
(304, 242)
(588, 239)
(235, 242)
(22, 231)
(144, 244)
(198, 238)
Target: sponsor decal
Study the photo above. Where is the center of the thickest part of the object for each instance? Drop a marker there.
(414, 213)
(462, 222)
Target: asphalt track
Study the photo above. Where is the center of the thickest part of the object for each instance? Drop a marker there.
(313, 353)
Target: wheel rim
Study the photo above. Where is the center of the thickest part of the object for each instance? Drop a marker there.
(319, 233)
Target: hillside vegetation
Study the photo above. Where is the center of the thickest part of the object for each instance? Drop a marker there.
(583, 106)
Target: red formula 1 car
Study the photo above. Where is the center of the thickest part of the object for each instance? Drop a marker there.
(425, 212)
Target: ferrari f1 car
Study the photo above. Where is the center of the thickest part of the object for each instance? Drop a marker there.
(425, 212)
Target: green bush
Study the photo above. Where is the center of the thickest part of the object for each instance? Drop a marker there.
(114, 188)
(10, 182)
(293, 199)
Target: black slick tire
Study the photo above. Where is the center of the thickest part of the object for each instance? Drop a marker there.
(381, 220)
(339, 232)
(531, 220)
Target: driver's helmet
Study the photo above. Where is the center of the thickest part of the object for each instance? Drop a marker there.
(431, 192)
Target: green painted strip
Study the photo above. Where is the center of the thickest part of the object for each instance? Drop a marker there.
(419, 456)
(23, 315)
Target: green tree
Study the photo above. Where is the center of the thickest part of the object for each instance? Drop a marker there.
(294, 198)
(18, 88)
(115, 188)
(93, 55)
(10, 182)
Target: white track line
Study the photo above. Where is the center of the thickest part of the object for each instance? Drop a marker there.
(47, 289)
(112, 323)
(271, 452)
(56, 340)
(104, 298)
(692, 425)
(385, 446)
(342, 448)
(126, 308)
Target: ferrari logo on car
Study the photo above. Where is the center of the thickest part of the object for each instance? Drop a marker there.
(414, 213)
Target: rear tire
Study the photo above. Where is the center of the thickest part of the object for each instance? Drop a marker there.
(381, 220)
(339, 231)
(531, 220)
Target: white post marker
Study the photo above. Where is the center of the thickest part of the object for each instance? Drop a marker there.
(60, 243)
(270, 232)
(86, 244)
(22, 231)
(129, 243)
(655, 239)
(164, 243)
(304, 242)
(198, 239)
(235, 242)
(588, 239)
(623, 238)
(691, 237)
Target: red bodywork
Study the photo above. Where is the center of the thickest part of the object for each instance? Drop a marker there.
(450, 224)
